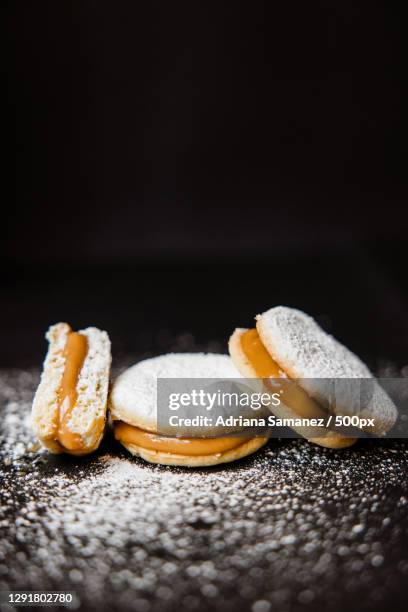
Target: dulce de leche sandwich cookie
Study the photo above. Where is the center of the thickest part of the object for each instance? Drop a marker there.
(69, 407)
(288, 344)
(133, 408)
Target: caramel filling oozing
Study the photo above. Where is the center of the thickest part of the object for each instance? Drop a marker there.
(258, 356)
(75, 352)
(265, 367)
(176, 446)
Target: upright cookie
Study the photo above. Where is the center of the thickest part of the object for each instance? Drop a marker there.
(69, 407)
(289, 344)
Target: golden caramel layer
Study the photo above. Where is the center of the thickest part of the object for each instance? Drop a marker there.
(258, 356)
(75, 352)
(177, 446)
(293, 396)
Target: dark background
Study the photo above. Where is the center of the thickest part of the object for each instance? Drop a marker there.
(182, 166)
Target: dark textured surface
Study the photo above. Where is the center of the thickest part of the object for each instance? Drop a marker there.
(295, 527)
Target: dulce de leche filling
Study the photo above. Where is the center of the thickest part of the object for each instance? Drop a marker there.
(75, 352)
(265, 367)
(176, 446)
(258, 356)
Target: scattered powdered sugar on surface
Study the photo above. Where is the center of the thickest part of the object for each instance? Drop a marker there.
(295, 527)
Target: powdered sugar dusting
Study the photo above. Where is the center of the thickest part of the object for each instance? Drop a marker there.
(92, 384)
(300, 345)
(296, 527)
(306, 352)
(134, 394)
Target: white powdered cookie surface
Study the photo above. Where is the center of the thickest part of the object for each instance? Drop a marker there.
(304, 350)
(301, 347)
(45, 403)
(93, 383)
(133, 397)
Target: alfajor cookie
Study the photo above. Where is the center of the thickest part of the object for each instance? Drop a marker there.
(133, 409)
(69, 407)
(312, 367)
